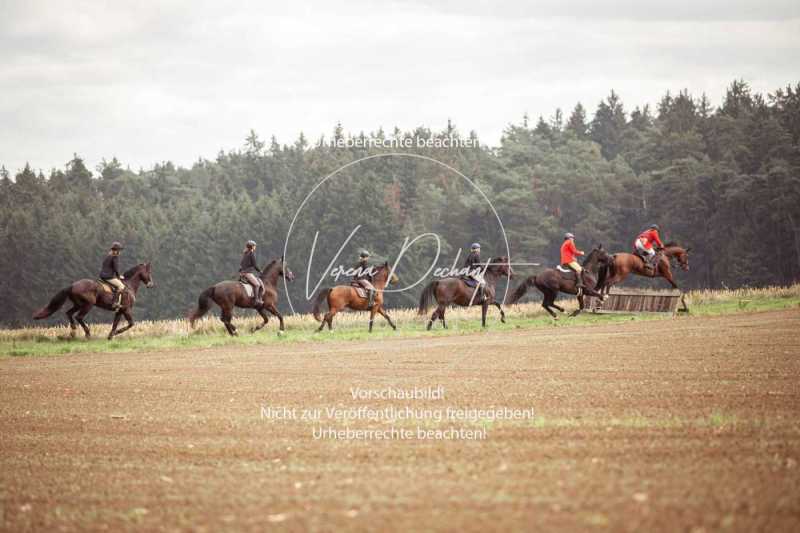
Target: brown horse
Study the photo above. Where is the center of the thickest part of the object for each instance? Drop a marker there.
(346, 296)
(550, 282)
(88, 293)
(450, 291)
(230, 294)
(622, 264)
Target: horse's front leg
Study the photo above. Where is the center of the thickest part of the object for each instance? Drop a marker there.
(129, 317)
(502, 314)
(371, 318)
(274, 310)
(484, 309)
(263, 313)
(81, 314)
(385, 315)
(580, 306)
(117, 317)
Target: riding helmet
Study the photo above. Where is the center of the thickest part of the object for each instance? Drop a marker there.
(363, 254)
(116, 245)
(655, 227)
(475, 246)
(251, 244)
(569, 236)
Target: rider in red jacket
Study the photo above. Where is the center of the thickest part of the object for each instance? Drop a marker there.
(643, 245)
(569, 258)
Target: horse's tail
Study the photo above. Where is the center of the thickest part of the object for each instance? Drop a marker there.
(54, 305)
(520, 291)
(426, 297)
(202, 305)
(323, 294)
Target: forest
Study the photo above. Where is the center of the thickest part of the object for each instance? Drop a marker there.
(722, 178)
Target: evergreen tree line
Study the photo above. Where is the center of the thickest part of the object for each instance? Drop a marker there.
(724, 180)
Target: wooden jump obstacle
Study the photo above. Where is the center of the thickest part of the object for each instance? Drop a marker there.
(625, 300)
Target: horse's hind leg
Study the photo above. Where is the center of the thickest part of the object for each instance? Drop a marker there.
(554, 304)
(72, 325)
(442, 310)
(436, 313)
(547, 302)
(84, 310)
(226, 318)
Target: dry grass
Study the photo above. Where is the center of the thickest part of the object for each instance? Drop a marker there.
(706, 296)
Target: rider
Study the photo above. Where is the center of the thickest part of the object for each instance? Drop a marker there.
(475, 269)
(247, 268)
(110, 274)
(363, 276)
(643, 245)
(569, 258)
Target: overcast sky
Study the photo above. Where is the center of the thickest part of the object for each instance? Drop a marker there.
(181, 79)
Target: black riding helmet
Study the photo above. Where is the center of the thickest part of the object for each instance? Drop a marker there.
(116, 246)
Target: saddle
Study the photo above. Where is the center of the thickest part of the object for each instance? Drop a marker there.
(646, 260)
(127, 295)
(107, 287)
(567, 273)
(469, 282)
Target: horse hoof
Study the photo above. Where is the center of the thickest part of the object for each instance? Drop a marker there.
(280, 332)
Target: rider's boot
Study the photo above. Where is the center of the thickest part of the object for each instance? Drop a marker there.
(370, 298)
(117, 297)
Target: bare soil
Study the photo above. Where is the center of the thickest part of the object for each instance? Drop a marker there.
(679, 425)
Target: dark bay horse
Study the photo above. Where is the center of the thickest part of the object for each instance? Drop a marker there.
(622, 264)
(550, 282)
(449, 291)
(88, 293)
(345, 296)
(230, 294)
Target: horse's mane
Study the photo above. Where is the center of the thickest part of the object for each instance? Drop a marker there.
(497, 263)
(131, 271)
(591, 255)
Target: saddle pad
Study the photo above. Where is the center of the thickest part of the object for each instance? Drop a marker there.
(469, 282)
(566, 273)
(248, 289)
(362, 293)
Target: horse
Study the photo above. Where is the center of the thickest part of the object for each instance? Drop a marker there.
(449, 291)
(346, 296)
(87, 293)
(230, 294)
(622, 264)
(550, 282)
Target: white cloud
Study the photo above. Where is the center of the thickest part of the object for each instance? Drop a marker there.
(154, 81)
